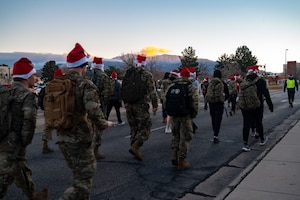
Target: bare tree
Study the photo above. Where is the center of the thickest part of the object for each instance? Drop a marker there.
(128, 59)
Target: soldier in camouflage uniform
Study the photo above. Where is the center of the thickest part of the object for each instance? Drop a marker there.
(76, 144)
(138, 115)
(13, 165)
(102, 81)
(182, 127)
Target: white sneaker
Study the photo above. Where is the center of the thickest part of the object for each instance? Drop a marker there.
(168, 129)
(246, 148)
(264, 141)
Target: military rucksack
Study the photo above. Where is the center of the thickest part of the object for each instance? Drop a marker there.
(113, 84)
(248, 99)
(133, 87)
(232, 87)
(6, 99)
(215, 91)
(59, 103)
(178, 102)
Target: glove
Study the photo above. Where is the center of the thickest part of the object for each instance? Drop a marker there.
(271, 108)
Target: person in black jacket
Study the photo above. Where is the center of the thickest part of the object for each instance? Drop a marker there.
(256, 115)
(216, 109)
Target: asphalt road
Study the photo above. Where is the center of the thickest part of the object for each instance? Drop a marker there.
(120, 177)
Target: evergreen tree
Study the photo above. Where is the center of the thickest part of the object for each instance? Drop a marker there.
(243, 57)
(189, 59)
(48, 71)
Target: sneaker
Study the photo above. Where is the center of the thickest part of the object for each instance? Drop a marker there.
(216, 140)
(246, 148)
(168, 129)
(263, 141)
(121, 123)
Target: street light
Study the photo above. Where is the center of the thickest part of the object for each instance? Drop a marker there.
(285, 63)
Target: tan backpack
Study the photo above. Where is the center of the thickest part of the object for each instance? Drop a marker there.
(59, 103)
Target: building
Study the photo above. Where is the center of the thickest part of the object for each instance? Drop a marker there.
(292, 67)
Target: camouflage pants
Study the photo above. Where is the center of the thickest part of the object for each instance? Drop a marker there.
(14, 170)
(47, 133)
(139, 120)
(182, 130)
(81, 160)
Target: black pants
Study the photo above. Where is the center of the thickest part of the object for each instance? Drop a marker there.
(291, 95)
(232, 99)
(117, 104)
(250, 116)
(216, 112)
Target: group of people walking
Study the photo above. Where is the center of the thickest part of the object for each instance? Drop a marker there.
(95, 94)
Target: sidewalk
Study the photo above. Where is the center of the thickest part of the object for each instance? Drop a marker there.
(277, 175)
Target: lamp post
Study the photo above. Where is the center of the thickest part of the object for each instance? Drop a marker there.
(285, 63)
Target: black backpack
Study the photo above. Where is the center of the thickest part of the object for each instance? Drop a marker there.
(178, 102)
(133, 87)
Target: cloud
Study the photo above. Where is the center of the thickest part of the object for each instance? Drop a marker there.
(153, 50)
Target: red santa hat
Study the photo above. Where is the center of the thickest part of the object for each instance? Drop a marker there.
(253, 68)
(231, 78)
(140, 60)
(175, 72)
(290, 75)
(185, 72)
(76, 57)
(23, 68)
(97, 62)
(237, 76)
(206, 79)
(58, 72)
(193, 72)
(113, 75)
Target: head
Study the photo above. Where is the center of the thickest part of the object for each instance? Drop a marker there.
(97, 63)
(140, 61)
(185, 72)
(77, 59)
(114, 75)
(253, 69)
(290, 76)
(24, 71)
(217, 73)
(174, 74)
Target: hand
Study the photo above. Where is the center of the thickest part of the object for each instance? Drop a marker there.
(271, 109)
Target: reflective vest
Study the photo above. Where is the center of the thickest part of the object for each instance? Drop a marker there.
(290, 83)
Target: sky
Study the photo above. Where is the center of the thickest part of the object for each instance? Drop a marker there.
(110, 28)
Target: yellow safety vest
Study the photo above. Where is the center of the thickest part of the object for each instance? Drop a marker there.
(290, 83)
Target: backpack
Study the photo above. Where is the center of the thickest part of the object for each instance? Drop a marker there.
(133, 87)
(6, 99)
(215, 91)
(248, 99)
(178, 103)
(232, 87)
(113, 90)
(59, 103)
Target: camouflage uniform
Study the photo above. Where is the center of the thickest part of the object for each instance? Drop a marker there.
(138, 115)
(182, 128)
(76, 144)
(102, 81)
(13, 166)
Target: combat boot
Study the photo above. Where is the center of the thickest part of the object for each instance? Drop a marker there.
(174, 157)
(42, 195)
(135, 150)
(98, 155)
(182, 165)
(46, 148)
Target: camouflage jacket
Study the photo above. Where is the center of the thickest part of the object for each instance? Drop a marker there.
(24, 112)
(87, 103)
(102, 81)
(151, 95)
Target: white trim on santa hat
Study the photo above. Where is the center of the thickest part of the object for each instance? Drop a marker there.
(77, 63)
(25, 76)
